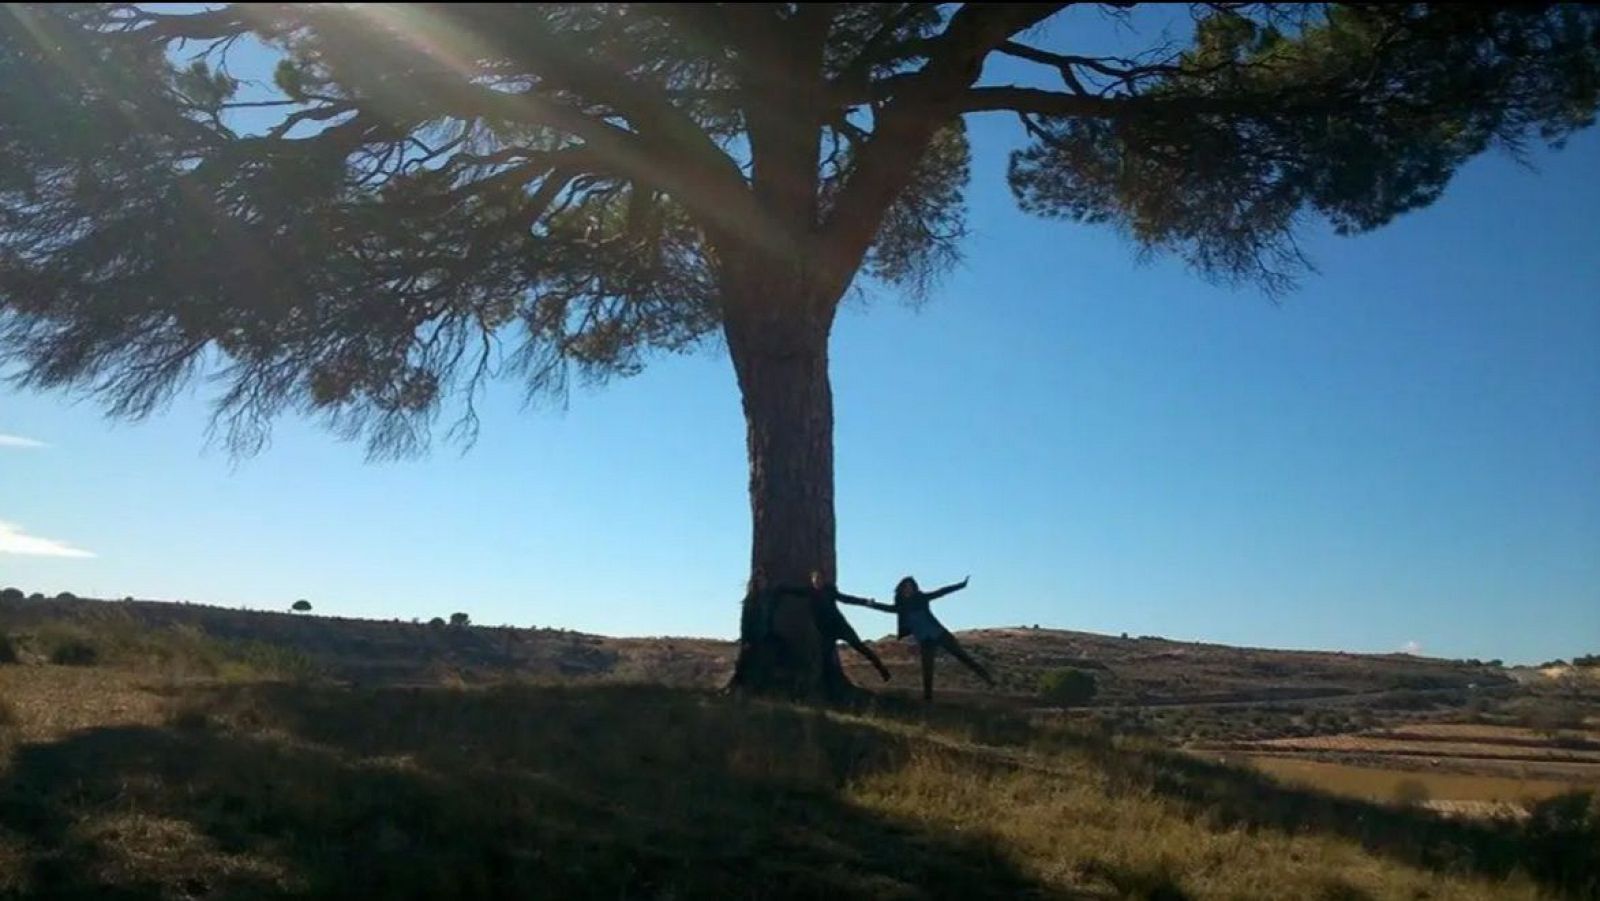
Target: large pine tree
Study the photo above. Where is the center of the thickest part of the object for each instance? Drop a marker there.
(588, 184)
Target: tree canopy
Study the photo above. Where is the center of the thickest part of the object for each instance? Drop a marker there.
(427, 196)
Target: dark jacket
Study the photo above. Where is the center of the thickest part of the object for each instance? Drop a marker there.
(919, 601)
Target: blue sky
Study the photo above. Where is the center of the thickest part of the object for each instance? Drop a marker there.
(1407, 449)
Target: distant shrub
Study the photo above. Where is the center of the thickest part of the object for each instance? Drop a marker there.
(12, 594)
(254, 659)
(1564, 835)
(1425, 681)
(8, 651)
(1067, 687)
(1411, 792)
(301, 606)
(436, 622)
(36, 596)
(1550, 717)
(1404, 700)
(74, 652)
(460, 619)
(1587, 660)
(190, 719)
(66, 596)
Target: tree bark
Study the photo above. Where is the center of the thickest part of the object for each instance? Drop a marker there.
(778, 340)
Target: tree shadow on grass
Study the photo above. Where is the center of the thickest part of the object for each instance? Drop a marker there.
(618, 792)
(1559, 848)
(1229, 796)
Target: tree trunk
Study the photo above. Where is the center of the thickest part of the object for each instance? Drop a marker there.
(778, 339)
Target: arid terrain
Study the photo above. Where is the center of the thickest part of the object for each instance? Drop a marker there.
(157, 750)
(1351, 722)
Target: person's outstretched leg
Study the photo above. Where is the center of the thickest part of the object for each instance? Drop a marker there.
(928, 652)
(948, 641)
(835, 625)
(842, 628)
(854, 641)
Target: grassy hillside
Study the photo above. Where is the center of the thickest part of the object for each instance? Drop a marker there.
(1143, 671)
(189, 752)
(116, 785)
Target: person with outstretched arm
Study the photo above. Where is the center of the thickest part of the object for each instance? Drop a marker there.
(832, 624)
(917, 620)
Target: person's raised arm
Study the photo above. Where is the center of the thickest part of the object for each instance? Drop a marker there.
(863, 602)
(941, 592)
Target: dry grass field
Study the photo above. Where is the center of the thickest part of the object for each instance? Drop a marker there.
(166, 763)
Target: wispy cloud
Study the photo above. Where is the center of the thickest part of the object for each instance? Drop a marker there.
(1412, 647)
(18, 441)
(15, 541)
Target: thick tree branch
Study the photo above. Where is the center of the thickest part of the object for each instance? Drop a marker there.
(647, 108)
(1034, 101)
(920, 105)
(664, 148)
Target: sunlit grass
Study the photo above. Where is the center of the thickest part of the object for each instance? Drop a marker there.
(1377, 784)
(164, 788)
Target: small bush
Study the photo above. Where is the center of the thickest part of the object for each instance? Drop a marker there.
(1564, 835)
(460, 619)
(256, 659)
(1067, 687)
(437, 622)
(12, 595)
(301, 606)
(1550, 717)
(36, 596)
(1425, 681)
(66, 596)
(74, 652)
(1404, 700)
(8, 651)
(1411, 792)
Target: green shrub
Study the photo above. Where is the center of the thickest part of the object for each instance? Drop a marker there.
(1067, 687)
(1564, 836)
(74, 652)
(12, 595)
(1550, 717)
(1411, 792)
(247, 659)
(8, 651)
